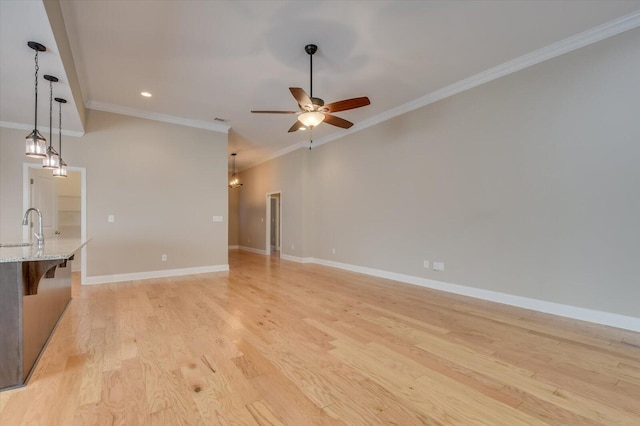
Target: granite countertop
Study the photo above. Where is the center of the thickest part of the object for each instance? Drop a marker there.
(53, 249)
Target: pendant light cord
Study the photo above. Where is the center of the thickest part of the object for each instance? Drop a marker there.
(36, 106)
(60, 132)
(50, 113)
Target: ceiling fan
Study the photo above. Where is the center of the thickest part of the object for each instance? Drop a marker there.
(313, 111)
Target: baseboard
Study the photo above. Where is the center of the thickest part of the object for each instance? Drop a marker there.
(252, 250)
(102, 279)
(234, 247)
(568, 311)
(296, 258)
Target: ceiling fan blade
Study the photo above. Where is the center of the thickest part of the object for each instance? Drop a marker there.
(337, 121)
(348, 104)
(296, 126)
(301, 96)
(275, 112)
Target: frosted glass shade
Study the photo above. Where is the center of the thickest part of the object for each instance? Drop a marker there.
(35, 145)
(311, 118)
(52, 160)
(61, 170)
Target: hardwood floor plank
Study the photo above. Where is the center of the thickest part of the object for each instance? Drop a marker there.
(275, 342)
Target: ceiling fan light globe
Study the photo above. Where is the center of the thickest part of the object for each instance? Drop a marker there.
(311, 118)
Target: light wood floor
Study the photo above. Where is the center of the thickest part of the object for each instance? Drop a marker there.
(275, 342)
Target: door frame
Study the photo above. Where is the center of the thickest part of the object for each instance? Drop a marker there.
(26, 203)
(268, 222)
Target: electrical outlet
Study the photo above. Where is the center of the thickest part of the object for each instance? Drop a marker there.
(438, 266)
(164, 258)
(426, 264)
(292, 247)
(218, 219)
(333, 251)
(111, 218)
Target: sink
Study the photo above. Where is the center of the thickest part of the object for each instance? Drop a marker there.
(16, 245)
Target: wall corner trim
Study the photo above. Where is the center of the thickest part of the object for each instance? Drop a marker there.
(103, 279)
(568, 311)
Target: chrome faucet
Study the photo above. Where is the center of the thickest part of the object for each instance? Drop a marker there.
(25, 221)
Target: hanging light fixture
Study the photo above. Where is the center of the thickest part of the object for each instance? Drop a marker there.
(52, 160)
(234, 182)
(36, 144)
(61, 170)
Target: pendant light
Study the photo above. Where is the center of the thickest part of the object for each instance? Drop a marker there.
(61, 170)
(52, 160)
(234, 182)
(36, 144)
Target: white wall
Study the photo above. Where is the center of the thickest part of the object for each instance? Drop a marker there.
(527, 185)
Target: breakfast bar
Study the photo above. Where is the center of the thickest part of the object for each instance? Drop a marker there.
(35, 288)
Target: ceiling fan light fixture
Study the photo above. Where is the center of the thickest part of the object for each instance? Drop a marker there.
(311, 118)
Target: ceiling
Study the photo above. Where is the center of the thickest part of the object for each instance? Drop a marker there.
(204, 60)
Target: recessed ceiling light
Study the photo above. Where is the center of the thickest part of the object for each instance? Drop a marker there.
(146, 94)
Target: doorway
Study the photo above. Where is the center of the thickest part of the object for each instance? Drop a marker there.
(274, 223)
(62, 202)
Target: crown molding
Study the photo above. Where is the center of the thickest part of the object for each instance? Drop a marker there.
(585, 38)
(29, 128)
(207, 125)
(277, 154)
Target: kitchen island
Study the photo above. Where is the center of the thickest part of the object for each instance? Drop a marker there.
(35, 288)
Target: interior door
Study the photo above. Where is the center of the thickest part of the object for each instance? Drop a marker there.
(45, 199)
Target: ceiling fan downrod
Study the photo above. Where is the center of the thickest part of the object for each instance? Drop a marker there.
(311, 49)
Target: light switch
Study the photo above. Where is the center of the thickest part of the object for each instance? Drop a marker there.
(217, 219)
(111, 218)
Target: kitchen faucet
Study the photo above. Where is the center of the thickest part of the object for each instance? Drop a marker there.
(25, 221)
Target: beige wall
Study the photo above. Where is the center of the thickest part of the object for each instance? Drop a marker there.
(527, 185)
(288, 175)
(163, 182)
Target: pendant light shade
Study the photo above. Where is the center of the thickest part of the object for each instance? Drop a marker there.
(52, 160)
(61, 170)
(35, 143)
(234, 182)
